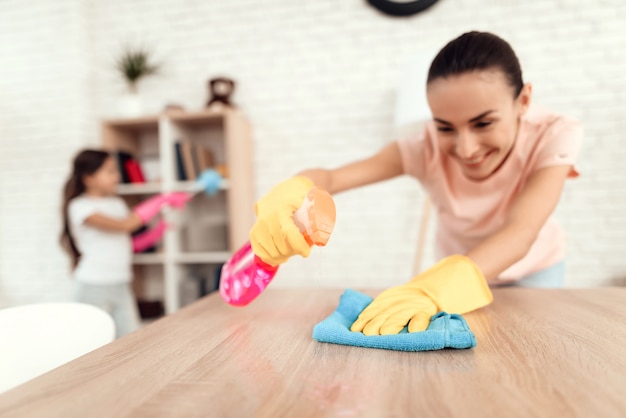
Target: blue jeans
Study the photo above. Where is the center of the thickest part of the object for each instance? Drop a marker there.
(552, 277)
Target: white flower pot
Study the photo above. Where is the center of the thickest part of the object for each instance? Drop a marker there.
(130, 105)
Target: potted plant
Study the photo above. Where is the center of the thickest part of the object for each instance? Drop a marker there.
(134, 64)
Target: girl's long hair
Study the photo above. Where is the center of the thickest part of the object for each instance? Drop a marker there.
(87, 162)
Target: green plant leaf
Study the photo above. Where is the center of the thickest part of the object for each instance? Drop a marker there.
(135, 63)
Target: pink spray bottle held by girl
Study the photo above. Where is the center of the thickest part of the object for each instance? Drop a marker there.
(245, 276)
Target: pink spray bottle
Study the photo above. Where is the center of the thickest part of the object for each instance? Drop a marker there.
(245, 275)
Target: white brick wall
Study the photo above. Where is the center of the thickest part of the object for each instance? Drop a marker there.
(44, 117)
(317, 80)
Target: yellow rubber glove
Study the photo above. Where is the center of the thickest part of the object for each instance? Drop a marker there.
(454, 285)
(274, 236)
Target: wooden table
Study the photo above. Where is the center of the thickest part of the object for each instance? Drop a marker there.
(544, 353)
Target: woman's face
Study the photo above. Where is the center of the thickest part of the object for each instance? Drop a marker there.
(477, 119)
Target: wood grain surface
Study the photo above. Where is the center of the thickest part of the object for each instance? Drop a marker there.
(540, 353)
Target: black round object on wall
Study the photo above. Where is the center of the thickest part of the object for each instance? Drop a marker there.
(401, 8)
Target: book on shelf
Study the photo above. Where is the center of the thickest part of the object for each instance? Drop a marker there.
(196, 158)
(121, 158)
(188, 160)
(133, 169)
(192, 159)
(129, 168)
(204, 158)
(180, 169)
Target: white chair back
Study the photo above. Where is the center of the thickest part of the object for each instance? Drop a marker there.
(37, 338)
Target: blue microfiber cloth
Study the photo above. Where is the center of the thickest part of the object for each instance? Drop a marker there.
(444, 331)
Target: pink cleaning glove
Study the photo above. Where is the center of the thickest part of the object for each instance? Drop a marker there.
(178, 200)
(147, 239)
(151, 207)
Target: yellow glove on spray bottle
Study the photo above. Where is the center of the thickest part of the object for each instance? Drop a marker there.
(274, 236)
(291, 218)
(454, 285)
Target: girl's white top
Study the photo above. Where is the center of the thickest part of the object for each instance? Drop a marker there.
(106, 256)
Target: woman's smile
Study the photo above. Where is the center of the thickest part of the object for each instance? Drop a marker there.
(476, 161)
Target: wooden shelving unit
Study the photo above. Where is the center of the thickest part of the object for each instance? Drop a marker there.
(155, 187)
(146, 259)
(139, 189)
(210, 228)
(205, 257)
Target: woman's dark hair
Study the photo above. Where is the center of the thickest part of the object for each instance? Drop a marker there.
(476, 51)
(87, 162)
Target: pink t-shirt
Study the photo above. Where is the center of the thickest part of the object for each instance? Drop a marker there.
(469, 211)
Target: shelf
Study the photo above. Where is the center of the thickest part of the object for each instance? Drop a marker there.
(191, 186)
(205, 257)
(154, 188)
(149, 258)
(191, 258)
(139, 188)
(203, 117)
(151, 121)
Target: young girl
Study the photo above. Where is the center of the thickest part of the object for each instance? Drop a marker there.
(494, 167)
(97, 228)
